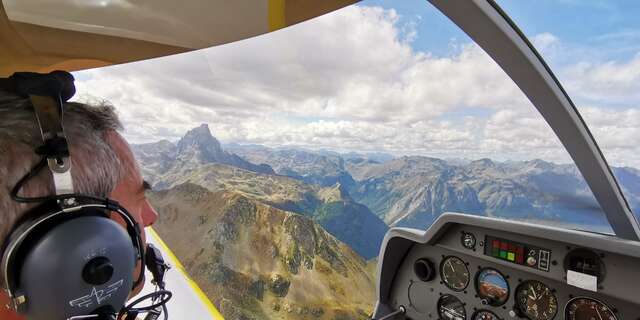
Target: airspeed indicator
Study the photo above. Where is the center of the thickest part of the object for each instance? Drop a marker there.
(454, 273)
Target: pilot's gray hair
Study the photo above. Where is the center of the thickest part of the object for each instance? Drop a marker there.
(95, 167)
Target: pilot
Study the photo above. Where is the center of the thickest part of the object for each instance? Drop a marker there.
(102, 164)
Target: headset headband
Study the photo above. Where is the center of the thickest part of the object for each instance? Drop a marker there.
(47, 93)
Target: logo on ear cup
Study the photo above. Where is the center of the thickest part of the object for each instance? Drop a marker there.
(96, 296)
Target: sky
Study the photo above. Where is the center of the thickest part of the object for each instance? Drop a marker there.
(391, 76)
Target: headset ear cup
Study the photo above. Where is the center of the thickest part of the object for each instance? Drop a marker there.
(18, 242)
(123, 244)
(54, 276)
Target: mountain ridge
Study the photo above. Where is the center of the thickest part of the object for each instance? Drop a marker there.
(256, 262)
(414, 190)
(358, 226)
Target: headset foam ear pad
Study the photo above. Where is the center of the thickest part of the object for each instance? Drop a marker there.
(81, 265)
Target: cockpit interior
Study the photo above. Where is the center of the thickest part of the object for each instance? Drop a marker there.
(463, 266)
(468, 267)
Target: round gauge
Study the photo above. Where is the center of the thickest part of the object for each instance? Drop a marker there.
(492, 287)
(454, 273)
(587, 309)
(536, 301)
(468, 240)
(451, 308)
(485, 315)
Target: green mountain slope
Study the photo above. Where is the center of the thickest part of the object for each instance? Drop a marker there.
(350, 222)
(258, 262)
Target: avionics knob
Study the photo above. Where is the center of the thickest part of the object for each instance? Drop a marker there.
(531, 261)
(424, 269)
(97, 271)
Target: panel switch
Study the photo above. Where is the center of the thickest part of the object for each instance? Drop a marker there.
(543, 261)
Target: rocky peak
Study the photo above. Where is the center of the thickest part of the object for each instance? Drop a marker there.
(485, 162)
(198, 146)
(539, 164)
(200, 140)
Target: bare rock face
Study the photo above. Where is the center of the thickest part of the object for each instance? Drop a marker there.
(278, 285)
(197, 147)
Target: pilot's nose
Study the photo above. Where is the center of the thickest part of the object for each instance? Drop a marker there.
(149, 214)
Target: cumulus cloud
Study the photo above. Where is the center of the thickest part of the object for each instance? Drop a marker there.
(350, 80)
(611, 82)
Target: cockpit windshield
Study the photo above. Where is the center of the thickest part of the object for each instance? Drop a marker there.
(593, 48)
(289, 155)
(402, 113)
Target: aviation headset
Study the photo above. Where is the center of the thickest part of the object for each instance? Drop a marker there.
(66, 258)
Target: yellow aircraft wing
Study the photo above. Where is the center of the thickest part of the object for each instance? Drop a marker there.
(188, 300)
(71, 35)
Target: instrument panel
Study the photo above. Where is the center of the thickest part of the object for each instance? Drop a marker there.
(471, 272)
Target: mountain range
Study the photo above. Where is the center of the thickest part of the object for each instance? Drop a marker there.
(287, 233)
(194, 160)
(414, 190)
(403, 191)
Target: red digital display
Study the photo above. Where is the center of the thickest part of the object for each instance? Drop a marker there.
(518, 253)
